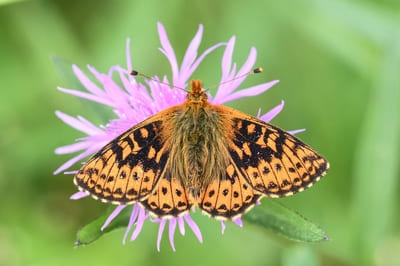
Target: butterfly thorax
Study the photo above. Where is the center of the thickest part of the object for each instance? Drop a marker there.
(196, 152)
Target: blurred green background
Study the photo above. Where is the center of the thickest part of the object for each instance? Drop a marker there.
(339, 66)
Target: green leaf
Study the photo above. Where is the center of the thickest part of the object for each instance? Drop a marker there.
(92, 231)
(283, 221)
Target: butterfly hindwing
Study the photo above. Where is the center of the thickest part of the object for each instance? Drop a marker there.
(169, 198)
(271, 160)
(128, 168)
(229, 197)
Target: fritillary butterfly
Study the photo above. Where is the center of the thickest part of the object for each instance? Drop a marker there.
(197, 154)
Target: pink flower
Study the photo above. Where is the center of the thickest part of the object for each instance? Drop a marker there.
(135, 101)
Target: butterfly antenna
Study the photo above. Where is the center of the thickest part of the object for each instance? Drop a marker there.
(254, 71)
(136, 73)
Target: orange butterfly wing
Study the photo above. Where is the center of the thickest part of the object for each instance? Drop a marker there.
(228, 198)
(128, 168)
(170, 198)
(271, 160)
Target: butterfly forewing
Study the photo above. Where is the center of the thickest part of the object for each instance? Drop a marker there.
(128, 168)
(271, 160)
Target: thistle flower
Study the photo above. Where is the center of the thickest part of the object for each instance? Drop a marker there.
(134, 101)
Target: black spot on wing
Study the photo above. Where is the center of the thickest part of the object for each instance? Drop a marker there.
(222, 211)
(257, 152)
(257, 131)
(140, 157)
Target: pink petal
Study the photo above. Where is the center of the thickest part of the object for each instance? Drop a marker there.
(168, 51)
(87, 83)
(227, 59)
(71, 172)
(96, 74)
(113, 69)
(109, 88)
(117, 95)
(127, 83)
(72, 147)
(128, 54)
(156, 220)
(248, 65)
(296, 131)
(273, 112)
(252, 91)
(94, 130)
(191, 52)
(181, 225)
(160, 232)
(78, 195)
(230, 81)
(139, 223)
(194, 227)
(77, 158)
(112, 216)
(185, 77)
(238, 222)
(76, 123)
(87, 96)
(171, 232)
(246, 68)
(132, 219)
(223, 226)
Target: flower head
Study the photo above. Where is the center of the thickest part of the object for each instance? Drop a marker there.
(134, 101)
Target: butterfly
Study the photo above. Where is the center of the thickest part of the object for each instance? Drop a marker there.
(197, 154)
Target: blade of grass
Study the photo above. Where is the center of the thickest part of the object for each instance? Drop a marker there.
(377, 155)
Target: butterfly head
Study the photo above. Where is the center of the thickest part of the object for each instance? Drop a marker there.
(196, 93)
